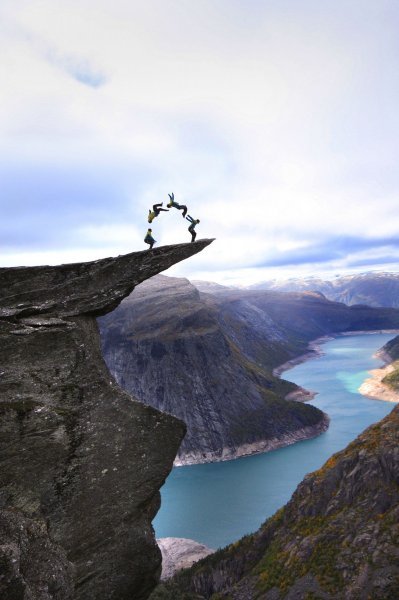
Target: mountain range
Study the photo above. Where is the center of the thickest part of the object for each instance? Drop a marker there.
(373, 289)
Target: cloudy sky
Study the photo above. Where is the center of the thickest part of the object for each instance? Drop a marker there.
(275, 121)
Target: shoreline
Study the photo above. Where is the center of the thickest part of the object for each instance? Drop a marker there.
(314, 350)
(374, 388)
(258, 447)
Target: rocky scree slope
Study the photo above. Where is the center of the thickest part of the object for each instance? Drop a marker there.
(337, 538)
(208, 359)
(81, 461)
(175, 350)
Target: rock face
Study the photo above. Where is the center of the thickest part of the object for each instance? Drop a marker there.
(184, 354)
(209, 358)
(81, 461)
(337, 538)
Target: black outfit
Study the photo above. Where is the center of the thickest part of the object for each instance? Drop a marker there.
(158, 210)
(193, 232)
(191, 229)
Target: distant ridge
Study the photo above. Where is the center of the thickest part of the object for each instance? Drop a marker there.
(372, 289)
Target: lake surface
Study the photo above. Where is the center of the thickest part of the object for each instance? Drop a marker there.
(217, 503)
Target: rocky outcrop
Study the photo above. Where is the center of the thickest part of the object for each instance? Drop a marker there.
(180, 553)
(181, 353)
(81, 460)
(337, 538)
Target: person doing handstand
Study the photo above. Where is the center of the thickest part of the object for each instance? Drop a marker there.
(191, 229)
(176, 205)
(155, 211)
(149, 239)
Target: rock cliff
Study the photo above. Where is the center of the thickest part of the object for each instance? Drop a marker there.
(81, 461)
(337, 538)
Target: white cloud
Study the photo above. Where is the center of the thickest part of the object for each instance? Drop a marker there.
(277, 126)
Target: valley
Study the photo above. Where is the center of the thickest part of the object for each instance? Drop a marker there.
(208, 359)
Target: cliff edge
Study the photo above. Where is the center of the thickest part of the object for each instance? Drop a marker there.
(81, 461)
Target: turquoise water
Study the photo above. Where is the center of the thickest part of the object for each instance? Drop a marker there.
(218, 503)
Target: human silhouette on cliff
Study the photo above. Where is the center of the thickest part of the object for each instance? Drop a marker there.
(149, 239)
(191, 229)
(175, 204)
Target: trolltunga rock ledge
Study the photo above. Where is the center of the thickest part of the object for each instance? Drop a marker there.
(81, 461)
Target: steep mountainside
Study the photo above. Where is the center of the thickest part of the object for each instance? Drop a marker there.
(337, 538)
(300, 317)
(208, 359)
(81, 461)
(167, 345)
(373, 289)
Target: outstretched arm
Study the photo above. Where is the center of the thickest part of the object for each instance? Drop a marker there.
(189, 218)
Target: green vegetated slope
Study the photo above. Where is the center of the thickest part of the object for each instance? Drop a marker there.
(392, 348)
(208, 359)
(337, 538)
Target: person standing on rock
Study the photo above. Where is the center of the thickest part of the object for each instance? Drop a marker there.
(155, 211)
(149, 239)
(176, 205)
(191, 229)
